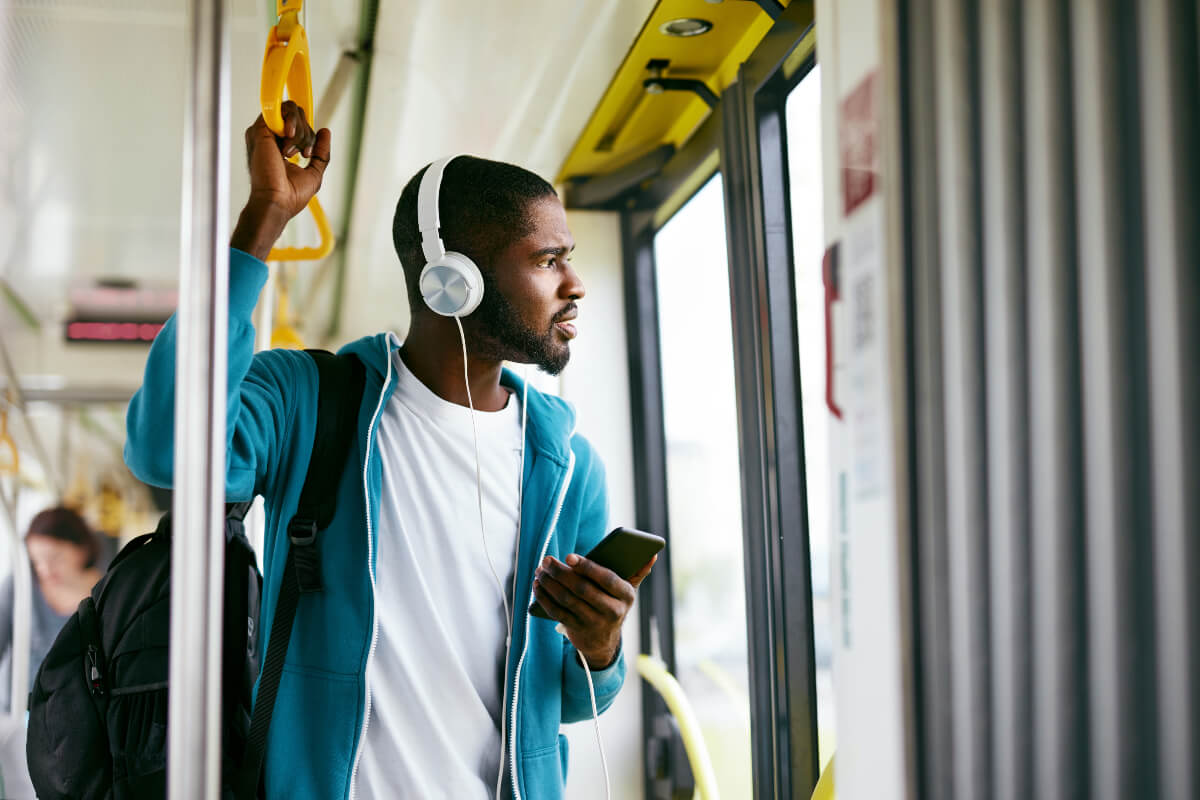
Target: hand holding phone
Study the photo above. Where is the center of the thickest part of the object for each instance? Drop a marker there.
(624, 551)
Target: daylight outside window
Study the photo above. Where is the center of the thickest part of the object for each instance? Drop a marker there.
(703, 481)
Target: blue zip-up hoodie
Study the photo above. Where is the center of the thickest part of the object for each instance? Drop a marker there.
(323, 706)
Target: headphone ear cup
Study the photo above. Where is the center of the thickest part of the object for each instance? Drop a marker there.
(452, 285)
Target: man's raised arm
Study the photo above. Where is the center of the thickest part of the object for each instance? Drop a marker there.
(256, 395)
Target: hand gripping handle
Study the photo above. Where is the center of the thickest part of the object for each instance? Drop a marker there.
(286, 65)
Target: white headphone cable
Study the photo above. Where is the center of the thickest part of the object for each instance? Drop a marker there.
(596, 719)
(499, 585)
(479, 484)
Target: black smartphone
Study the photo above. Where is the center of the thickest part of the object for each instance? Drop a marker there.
(624, 551)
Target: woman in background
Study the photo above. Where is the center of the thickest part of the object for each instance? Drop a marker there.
(63, 553)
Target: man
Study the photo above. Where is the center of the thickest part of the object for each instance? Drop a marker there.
(398, 681)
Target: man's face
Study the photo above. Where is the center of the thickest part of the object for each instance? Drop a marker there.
(529, 295)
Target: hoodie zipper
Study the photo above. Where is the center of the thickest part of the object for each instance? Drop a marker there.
(362, 734)
(512, 745)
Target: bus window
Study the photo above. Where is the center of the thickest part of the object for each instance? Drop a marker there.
(803, 120)
(703, 481)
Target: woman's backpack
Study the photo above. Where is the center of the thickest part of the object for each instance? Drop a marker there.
(98, 710)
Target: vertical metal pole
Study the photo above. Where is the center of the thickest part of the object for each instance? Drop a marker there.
(1060, 733)
(197, 556)
(22, 629)
(1170, 126)
(22, 609)
(1003, 232)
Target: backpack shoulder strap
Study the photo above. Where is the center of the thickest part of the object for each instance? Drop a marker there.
(338, 399)
(340, 388)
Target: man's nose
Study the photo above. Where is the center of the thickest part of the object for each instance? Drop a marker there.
(572, 285)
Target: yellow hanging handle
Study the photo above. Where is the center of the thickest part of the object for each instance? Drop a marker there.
(283, 335)
(286, 65)
(13, 467)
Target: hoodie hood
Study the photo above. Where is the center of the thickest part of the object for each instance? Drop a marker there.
(551, 420)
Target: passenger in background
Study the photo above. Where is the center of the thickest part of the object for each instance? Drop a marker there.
(63, 552)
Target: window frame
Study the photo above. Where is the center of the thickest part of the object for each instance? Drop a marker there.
(744, 131)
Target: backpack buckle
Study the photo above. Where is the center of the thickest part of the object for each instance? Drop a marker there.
(302, 532)
(95, 677)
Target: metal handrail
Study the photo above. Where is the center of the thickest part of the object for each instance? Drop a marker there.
(197, 546)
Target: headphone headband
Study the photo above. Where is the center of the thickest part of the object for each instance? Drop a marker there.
(429, 220)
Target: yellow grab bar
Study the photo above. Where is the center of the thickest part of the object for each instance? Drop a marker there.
(824, 790)
(286, 65)
(14, 465)
(654, 671)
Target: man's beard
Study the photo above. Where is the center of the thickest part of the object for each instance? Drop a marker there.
(502, 334)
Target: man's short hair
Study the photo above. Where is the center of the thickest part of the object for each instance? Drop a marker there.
(484, 208)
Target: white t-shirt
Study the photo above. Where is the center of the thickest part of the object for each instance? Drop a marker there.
(436, 676)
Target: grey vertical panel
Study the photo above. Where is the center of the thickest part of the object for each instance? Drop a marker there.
(1007, 397)
(1120, 648)
(894, 135)
(1059, 677)
(936, 762)
(963, 365)
(1170, 129)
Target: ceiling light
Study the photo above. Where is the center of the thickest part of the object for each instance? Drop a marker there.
(686, 26)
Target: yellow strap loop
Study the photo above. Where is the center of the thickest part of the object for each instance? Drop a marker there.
(286, 65)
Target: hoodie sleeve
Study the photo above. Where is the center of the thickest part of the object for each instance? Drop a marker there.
(258, 389)
(593, 523)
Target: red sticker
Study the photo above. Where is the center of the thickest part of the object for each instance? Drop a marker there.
(858, 144)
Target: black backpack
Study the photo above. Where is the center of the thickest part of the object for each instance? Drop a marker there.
(98, 710)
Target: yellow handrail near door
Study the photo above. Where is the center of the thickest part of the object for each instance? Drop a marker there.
(286, 65)
(825, 789)
(654, 671)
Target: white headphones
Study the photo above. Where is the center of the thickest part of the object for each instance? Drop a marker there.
(450, 282)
